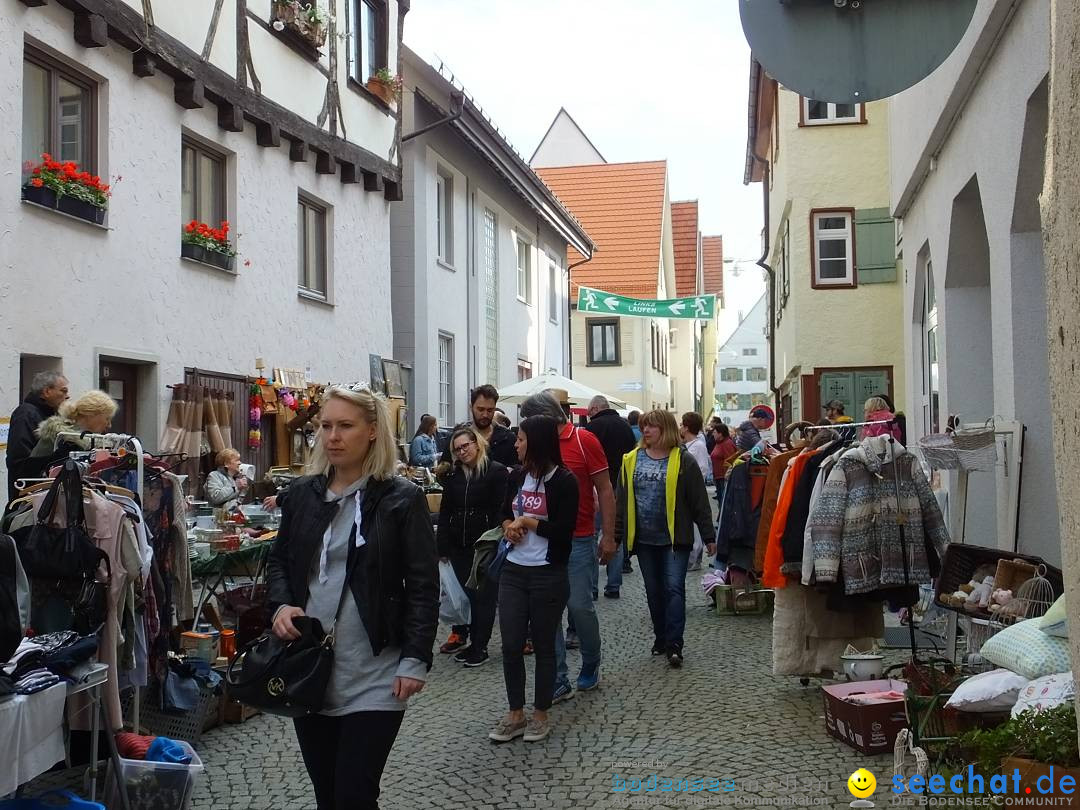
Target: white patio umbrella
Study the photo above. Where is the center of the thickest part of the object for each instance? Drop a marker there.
(579, 393)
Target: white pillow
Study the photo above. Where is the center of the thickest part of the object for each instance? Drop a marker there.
(1046, 693)
(1026, 649)
(993, 691)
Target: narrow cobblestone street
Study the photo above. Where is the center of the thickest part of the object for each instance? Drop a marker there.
(724, 715)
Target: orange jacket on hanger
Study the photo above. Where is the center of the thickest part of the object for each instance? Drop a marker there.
(774, 551)
(777, 465)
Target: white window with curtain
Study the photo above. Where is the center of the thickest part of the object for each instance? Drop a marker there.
(833, 248)
(491, 293)
(931, 381)
(816, 113)
(524, 271)
(367, 40)
(554, 278)
(444, 216)
(446, 378)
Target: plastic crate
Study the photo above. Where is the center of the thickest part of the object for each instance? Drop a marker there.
(736, 600)
(187, 726)
(155, 785)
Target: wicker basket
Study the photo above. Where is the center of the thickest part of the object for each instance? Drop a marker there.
(940, 451)
(977, 447)
(960, 562)
(1011, 574)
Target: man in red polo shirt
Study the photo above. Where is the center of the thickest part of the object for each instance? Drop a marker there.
(584, 457)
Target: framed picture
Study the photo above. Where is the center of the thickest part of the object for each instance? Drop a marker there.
(378, 380)
(392, 375)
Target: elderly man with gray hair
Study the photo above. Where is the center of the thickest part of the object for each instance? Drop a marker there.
(48, 390)
(583, 455)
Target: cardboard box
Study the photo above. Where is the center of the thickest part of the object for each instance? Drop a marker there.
(869, 729)
(434, 502)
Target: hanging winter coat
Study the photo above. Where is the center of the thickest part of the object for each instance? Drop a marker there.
(854, 521)
(736, 536)
(14, 598)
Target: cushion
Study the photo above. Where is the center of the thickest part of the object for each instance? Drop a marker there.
(1046, 693)
(1027, 651)
(993, 691)
(1055, 622)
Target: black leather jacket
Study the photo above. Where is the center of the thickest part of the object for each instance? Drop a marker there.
(397, 593)
(470, 506)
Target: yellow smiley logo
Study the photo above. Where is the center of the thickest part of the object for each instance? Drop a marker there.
(862, 784)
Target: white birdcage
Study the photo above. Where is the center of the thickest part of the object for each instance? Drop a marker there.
(1036, 596)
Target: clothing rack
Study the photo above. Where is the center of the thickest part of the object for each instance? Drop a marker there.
(843, 425)
(115, 441)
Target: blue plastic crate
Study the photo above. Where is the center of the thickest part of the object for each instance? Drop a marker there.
(53, 800)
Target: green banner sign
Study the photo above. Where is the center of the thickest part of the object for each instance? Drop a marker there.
(696, 308)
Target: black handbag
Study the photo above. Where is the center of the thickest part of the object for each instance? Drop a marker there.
(60, 553)
(287, 678)
(90, 609)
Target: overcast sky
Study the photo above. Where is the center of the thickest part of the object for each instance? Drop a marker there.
(645, 79)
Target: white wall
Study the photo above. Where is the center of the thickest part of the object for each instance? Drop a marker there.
(565, 145)
(1005, 374)
(72, 290)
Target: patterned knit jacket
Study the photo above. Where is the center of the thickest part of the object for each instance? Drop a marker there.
(854, 522)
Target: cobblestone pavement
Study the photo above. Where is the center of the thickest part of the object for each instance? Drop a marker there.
(723, 715)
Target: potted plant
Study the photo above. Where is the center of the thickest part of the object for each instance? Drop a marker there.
(1037, 744)
(63, 187)
(208, 245)
(385, 85)
(305, 19)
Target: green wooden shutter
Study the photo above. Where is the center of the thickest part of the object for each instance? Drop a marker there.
(875, 246)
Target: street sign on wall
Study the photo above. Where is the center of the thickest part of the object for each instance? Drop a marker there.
(698, 307)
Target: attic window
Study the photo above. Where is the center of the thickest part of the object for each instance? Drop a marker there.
(816, 113)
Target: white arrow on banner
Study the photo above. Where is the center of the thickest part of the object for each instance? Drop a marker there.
(611, 302)
(677, 307)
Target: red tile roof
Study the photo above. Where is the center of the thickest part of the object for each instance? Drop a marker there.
(712, 254)
(684, 231)
(621, 206)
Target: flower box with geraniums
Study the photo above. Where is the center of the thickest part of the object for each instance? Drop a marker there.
(63, 187)
(385, 85)
(202, 243)
(305, 19)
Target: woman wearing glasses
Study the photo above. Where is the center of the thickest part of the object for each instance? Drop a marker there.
(472, 501)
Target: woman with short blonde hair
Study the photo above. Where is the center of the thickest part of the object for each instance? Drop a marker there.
(355, 554)
(225, 485)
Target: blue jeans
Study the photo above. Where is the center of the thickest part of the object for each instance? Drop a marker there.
(581, 608)
(663, 571)
(614, 566)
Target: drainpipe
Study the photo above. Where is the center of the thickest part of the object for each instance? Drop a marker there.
(764, 265)
(569, 318)
(457, 108)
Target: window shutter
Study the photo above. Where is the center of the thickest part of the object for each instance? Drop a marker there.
(875, 246)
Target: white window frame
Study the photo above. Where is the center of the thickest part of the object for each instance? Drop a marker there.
(524, 271)
(445, 360)
(847, 234)
(831, 117)
(749, 352)
(553, 290)
(524, 369)
(444, 216)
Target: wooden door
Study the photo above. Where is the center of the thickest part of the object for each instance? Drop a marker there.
(120, 381)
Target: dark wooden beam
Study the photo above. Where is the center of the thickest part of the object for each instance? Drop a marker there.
(91, 30)
(267, 133)
(324, 163)
(34, 3)
(348, 172)
(189, 94)
(372, 182)
(392, 191)
(230, 117)
(297, 151)
(142, 64)
(126, 26)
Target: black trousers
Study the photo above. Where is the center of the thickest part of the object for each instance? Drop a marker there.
(483, 602)
(345, 756)
(531, 596)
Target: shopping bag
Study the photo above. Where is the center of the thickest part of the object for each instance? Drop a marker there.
(454, 606)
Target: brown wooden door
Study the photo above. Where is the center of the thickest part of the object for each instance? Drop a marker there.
(120, 381)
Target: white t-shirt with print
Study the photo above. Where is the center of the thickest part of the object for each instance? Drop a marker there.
(531, 501)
